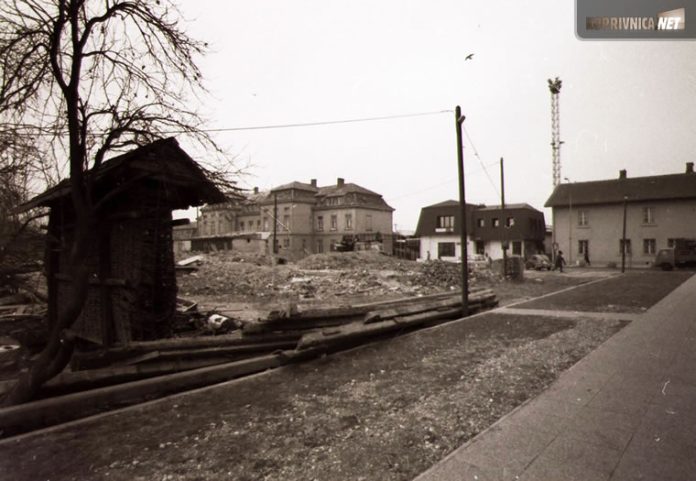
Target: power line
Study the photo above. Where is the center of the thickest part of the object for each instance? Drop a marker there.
(445, 182)
(476, 154)
(328, 122)
(282, 126)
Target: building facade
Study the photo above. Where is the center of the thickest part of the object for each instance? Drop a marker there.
(303, 218)
(588, 217)
(519, 227)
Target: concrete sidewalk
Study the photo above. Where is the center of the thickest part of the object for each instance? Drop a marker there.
(625, 412)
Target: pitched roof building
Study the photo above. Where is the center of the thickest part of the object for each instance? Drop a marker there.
(588, 216)
(308, 219)
(489, 228)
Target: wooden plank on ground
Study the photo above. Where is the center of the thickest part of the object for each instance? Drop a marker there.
(55, 410)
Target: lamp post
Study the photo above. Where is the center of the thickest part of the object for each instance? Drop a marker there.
(570, 222)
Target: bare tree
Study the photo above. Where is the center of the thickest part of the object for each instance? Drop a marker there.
(92, 77)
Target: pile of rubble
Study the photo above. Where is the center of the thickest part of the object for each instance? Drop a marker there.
(324, 277)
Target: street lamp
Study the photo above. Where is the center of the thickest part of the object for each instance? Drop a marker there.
(570, 222)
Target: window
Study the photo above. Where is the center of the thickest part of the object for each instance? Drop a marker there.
(286, 242)
(480, 222)
(265, 224)
(304, 244)
(649, 246)
(286, 222)
(445, 249)
(510, 222)
(368, 222)
(334, 222)
(320, 223)
(445, 223)
(212, 228)
(627, 247)
(582, 218)
(258, 224)
(496, 222)
(583, 247)
(349, 221)
(320, 246)
(241, 226)
(671, 242)
(480, 246)
(516, 248)
(648, 215)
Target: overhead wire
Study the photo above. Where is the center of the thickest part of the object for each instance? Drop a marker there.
(476, 154)
(291, 125)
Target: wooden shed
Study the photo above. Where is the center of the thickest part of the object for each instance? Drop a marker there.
(132, 285)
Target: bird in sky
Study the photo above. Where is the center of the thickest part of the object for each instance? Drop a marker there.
(469, 57)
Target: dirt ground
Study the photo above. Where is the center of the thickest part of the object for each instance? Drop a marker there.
(385, 411)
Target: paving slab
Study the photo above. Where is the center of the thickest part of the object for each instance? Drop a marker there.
(627, 411)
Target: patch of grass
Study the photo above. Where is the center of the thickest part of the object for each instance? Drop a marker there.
(632, 292)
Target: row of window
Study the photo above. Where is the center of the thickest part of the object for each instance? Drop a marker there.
(649, 246)
(648, 217)
(347, 222)
(446, 222)
(495, 222)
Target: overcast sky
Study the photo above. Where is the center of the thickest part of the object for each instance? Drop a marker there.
(624, 104)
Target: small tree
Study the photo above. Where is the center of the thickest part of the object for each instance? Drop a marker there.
(92, 77)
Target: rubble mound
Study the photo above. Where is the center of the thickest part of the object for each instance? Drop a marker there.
(439, 273)
(350, 260)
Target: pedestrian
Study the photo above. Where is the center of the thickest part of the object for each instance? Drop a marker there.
(560, 261)
(587, 258)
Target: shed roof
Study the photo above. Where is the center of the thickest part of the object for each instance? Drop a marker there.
(650, 188)
(163, 161)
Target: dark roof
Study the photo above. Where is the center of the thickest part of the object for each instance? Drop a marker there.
(507, 207)
(651, 188)
(295, 185)
(163, 161)
(522, 229)
(349, 188)
(427, 221)
(447, 203)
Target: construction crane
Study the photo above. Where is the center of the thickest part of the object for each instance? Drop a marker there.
(555, 88)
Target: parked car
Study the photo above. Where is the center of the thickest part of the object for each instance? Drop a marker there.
(683, 253)
(538, 262)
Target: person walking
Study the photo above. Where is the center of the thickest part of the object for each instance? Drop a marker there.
(560, 261)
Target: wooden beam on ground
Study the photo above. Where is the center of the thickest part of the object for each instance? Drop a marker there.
(45, 412)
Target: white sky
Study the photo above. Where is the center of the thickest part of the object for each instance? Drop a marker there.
(624, 104)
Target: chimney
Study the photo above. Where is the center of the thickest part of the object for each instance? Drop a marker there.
(689, 167)
(622, 174)
(340, 181)
(313, 182)
(256, 190)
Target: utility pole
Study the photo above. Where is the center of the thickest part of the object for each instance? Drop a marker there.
(458, 120)
(502, 214)
(275, 223)
(623, 237)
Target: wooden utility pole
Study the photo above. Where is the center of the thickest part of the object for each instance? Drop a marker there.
(275, 223)
(504, 240)
(623, 238)
(458, 120)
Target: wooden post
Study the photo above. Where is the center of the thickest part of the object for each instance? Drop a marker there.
(504, 240)
(458, 120)
(623, 238)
